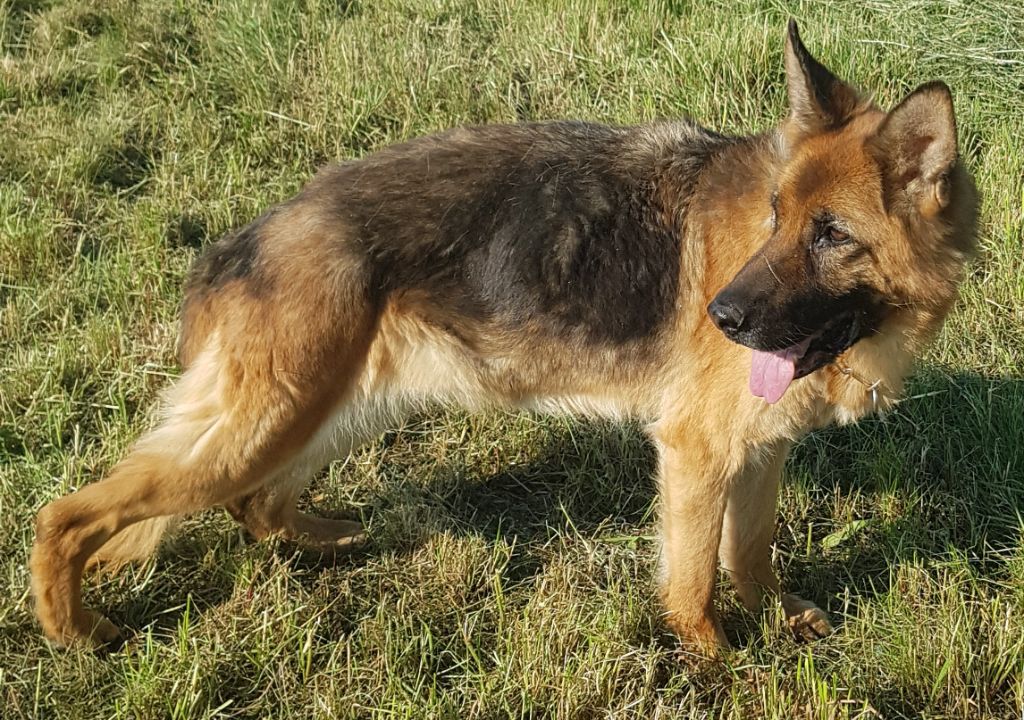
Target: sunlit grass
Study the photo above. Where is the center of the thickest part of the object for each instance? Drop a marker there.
(511, 570)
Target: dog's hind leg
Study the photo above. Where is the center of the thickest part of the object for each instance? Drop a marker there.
(272, 510)
(233, 420)
(745, 549)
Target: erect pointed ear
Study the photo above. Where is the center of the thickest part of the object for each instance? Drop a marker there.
(818, 100)
(916, 148)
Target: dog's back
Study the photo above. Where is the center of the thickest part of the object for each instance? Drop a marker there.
(539, 259)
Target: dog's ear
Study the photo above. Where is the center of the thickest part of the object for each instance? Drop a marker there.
(916, 149)
(818, 100)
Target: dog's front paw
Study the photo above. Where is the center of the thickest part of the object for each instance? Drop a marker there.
(806, 620)
(703, 636)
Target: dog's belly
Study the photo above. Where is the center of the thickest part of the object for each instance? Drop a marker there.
(584, 405)
(413, 364)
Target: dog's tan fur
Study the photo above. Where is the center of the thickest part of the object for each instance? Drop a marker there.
(279, 381)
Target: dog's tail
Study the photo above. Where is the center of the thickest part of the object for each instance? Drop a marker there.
(139, 542)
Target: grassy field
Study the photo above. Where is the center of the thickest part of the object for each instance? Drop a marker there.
(510, 570)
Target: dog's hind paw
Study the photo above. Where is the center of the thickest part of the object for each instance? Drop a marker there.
(327, 535)
(806, 620)
(92, 631)
(105, 635)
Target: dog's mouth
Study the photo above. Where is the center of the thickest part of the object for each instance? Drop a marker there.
(773, 371)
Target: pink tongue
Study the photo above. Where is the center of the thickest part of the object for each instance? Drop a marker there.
(772, 372)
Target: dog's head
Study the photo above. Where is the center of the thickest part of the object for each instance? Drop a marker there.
(872, 216)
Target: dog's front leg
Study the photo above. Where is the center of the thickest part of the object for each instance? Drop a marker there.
(694, 483)
(749, 524)
(745, 548)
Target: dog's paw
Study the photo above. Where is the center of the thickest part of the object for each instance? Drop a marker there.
(703, 637)
(105, 634)
(327, 536)
(806, 620)
(92, 631)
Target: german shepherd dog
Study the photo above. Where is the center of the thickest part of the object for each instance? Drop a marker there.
(733, 293)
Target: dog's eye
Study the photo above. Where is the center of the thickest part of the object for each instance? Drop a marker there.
(837, 236)
(831, 236)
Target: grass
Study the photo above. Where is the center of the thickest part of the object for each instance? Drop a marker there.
(511, 569)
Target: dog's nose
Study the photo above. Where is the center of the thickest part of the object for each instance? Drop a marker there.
(726, 315)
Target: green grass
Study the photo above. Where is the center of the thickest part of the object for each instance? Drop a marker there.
(511, 568)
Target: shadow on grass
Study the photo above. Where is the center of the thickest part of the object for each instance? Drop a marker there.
(942, 474)
(952, 453)
(950, 460)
